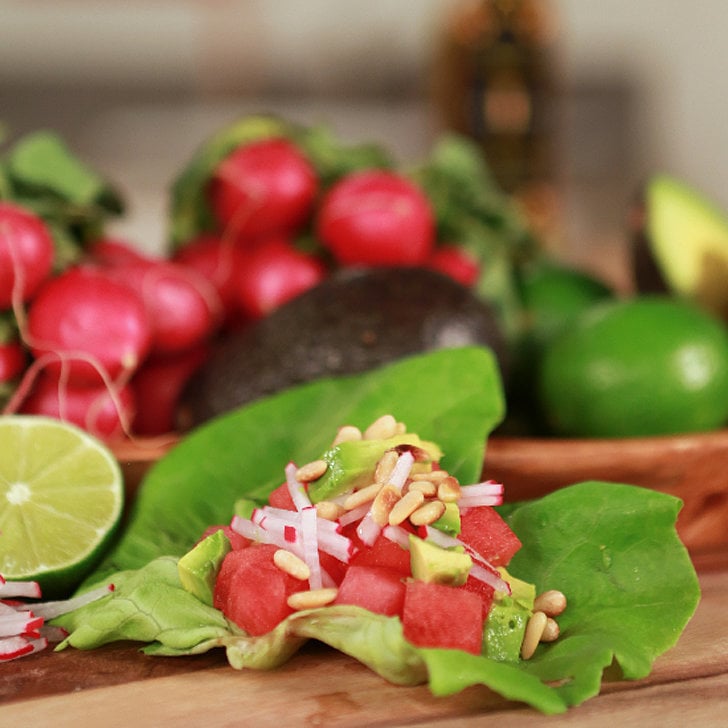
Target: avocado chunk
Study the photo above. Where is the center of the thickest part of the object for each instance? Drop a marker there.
(432, 563)
(352, 322)
(507, 620)
(199, 567)
(680, 245)
(449, 521)
(351, 465)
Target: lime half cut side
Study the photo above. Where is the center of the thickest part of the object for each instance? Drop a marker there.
(61, 499)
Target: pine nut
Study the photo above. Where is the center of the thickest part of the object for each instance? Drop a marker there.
(435, 476)
(362, 496)
(448, 490)
(428, 513)
(383, 504)
(329, 510)
(385, 466)
(405, 506)
(311, 471)
(312, 598)
(426, 487)
(552, 602)
(534, 630)
(291, 564)
(551, 631)
(381, 429)
(347, 433)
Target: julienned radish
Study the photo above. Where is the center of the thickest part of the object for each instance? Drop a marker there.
(265, 187)
(82, 324)
(26, 254)
(377, 217)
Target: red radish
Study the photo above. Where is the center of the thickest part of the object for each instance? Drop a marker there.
(377, 217)
(218, 261)
(110, 251)
(263, 188)
(157, 386)
(274, 272)
(26, 254)
(104, 412)
(183, 307)
(12, 360)
(455, 262)
(86, 322)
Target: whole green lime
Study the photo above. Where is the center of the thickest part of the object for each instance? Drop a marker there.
(648, 365)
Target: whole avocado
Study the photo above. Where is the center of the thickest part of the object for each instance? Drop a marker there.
(354, 321)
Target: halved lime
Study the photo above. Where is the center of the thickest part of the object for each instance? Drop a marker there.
(61, 499)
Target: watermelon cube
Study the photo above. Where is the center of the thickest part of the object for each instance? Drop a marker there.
(483, 590)
(252, 591)
(382, 552)
(375, 588)
(436, 615)
(483, 529)
(280, 497)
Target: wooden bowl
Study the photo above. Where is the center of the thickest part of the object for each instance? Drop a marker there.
(691, 467)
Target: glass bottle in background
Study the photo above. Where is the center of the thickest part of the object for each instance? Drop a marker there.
(495, 81)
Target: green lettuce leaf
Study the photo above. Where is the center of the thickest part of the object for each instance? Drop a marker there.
(452, 396)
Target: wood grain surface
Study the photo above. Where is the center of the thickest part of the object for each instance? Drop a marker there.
(118, 686)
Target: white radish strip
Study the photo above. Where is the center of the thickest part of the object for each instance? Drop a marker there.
(487, 487)
(19, 623)
(296, 488)
(327, 580)
(309, 531)
(355, 514)
(398, 535)
(13, 647)
(485, 575)
(275, 536)
(368, 529)
(401, 470)
(50, 610)
(336, 545)
(246, 527)
(474, 501)
(293, 518)
(19, 589)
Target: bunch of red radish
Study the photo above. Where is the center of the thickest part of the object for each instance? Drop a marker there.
(109, 341)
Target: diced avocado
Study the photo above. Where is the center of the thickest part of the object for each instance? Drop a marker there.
(507, 620)
(432, 563)
(680, 244)
(199, 567)
(244, 507)
(351, 464)
(449, 521)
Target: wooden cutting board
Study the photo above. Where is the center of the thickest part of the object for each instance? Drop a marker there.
(118, 686)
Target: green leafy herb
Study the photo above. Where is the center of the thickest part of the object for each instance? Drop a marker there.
(604, 545)
(452, 396)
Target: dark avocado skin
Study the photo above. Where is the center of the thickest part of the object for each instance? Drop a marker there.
(352, 322)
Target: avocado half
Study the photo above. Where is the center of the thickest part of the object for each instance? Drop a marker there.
(352, 322)
(680, 245)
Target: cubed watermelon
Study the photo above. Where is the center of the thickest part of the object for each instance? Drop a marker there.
(280, 497)
(332, 566)
(483, 590)
(383, 552)
(436, 615)
(252, 591)
(375, 588)
(483, 529)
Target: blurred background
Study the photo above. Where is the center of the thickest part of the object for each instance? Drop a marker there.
(617, 89)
